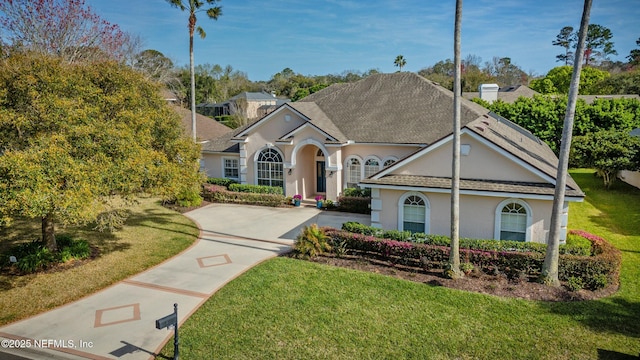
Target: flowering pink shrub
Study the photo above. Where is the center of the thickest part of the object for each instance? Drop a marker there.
(596, 271)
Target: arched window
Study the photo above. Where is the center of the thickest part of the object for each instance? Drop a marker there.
(514, 217)
(270, 168)
(371, 166)
(388, 163)
(354, 172)
(413, 213)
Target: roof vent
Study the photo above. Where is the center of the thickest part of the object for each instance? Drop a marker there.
(479, 128)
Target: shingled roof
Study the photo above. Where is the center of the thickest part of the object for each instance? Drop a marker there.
(400, 108)
(206, 128)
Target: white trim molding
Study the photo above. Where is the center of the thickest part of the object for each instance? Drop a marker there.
(427, 210)
(498, 217)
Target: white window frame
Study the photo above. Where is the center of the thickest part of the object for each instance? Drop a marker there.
(224, 167)
(427, 210)
(367, 173)
(348, 167)
(498, 217)
(389, 158)
(281, 163)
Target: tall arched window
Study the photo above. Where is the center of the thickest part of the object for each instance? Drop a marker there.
(270, 168)
(513, 218)
(371, 166)
(354, 172)
(413, 213)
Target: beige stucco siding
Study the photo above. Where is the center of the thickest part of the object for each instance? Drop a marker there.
(477, 214)
(482, 162)
(265, 135)
(381, 152)
(212, 164)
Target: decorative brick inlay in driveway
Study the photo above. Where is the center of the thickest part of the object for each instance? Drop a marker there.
(216, 260)
(117, 315)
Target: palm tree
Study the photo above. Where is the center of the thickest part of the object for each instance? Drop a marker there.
(453, 269)
(550, 266)
(400, 62)
(194, 6)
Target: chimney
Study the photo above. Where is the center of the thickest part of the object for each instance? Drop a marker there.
(489, 92)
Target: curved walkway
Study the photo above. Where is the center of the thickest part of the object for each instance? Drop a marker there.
(119, 322)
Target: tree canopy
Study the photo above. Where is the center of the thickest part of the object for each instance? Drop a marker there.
(75, 136)
(557, 81)
(543, 115)
(64, 28)
(607, 151)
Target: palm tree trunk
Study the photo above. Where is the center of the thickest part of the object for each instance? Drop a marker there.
(48, 232)
(192, 73)
(550, 266)
(454, 255)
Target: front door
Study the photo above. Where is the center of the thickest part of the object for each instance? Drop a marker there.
(321, 180)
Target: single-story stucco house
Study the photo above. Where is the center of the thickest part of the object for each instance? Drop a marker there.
(393, 133)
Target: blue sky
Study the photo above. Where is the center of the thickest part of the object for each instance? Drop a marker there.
(318, 37)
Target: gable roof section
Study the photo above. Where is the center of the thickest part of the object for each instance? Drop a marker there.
(402, 108)
(317, 117)
(506, 136)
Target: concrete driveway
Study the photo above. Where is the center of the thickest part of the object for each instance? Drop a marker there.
(119, 322)
(266, 223)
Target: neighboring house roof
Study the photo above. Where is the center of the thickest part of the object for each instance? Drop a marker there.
(635, 132)
(206, 128)
(508, 94)
(254, 96)
(589, 99)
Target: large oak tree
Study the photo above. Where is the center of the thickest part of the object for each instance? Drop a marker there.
(74, 136)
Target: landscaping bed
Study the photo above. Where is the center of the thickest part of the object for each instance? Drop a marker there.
(498, 285)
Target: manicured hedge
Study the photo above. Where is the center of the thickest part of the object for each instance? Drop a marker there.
(595, 271)
(356, 192)
(218, 193)
(575, 245)
(221, 181)
(354, 204)
(256, 189)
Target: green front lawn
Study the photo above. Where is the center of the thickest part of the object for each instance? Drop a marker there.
(151, 234)
(293, 309)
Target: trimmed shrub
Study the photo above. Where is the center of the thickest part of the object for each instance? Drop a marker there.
(358, 228)
(597, 271)
(255, 189)
(218, 193)
(356, 192)
(576, 245)
(355, 204)
(221, 181)
(594, 272)
(188, 197)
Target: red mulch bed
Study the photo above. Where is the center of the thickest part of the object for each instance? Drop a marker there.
(477, 281)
